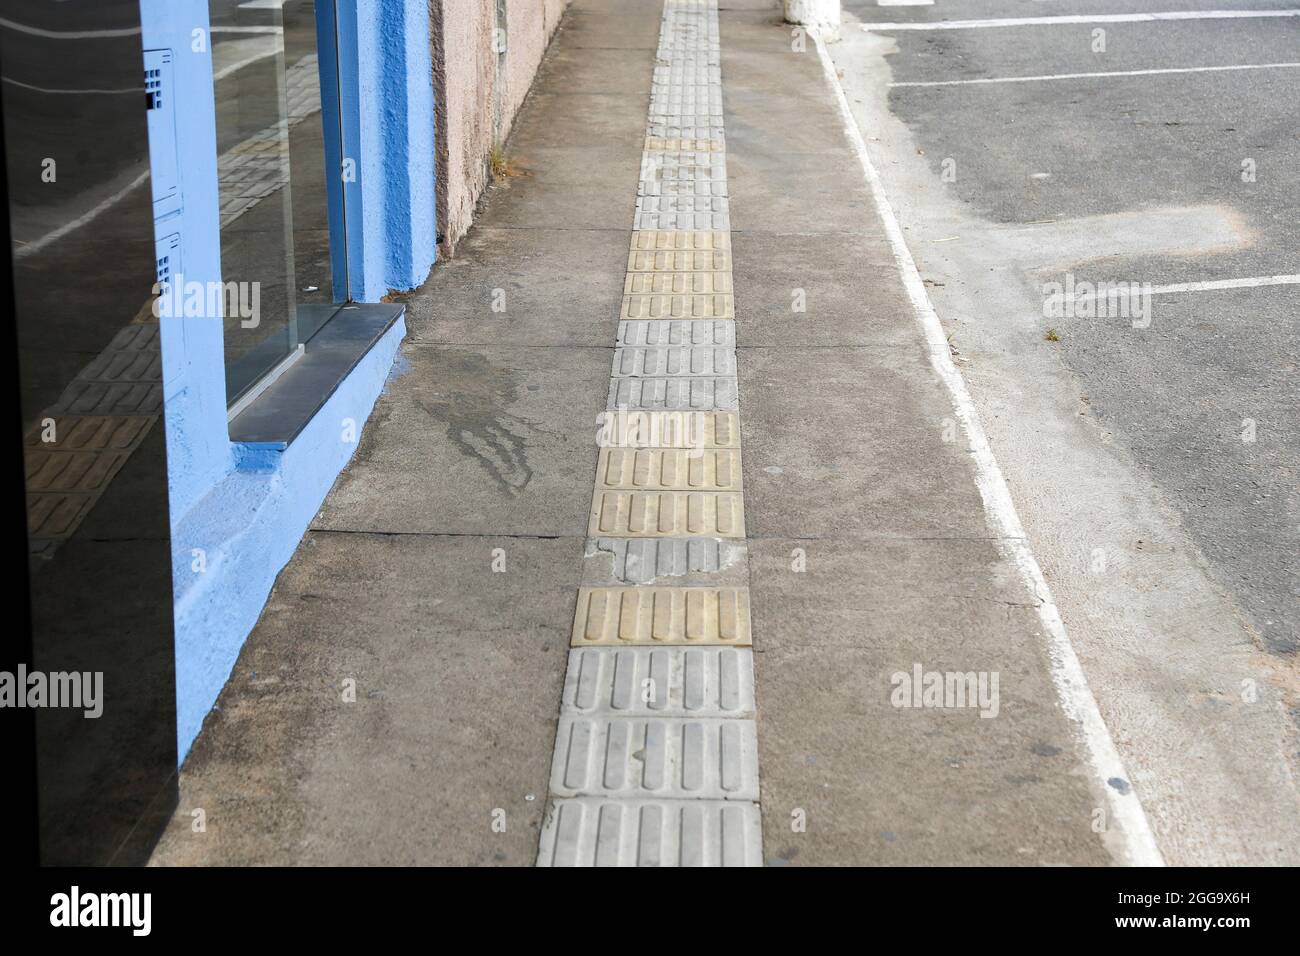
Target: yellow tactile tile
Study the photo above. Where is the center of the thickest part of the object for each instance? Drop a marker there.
(670, 240)
(60, 472)
(645, 615)
(661, 144)
(669, 469)
(677, 283)
(707, 260)
(92, 432)
(662, 514)
(668, 429)
(678, 307)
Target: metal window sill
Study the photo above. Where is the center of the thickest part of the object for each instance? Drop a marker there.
(279, 414)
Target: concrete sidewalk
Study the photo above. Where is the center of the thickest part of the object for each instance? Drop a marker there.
(438, 584)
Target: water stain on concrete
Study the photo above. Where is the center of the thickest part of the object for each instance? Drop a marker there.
(474, 411)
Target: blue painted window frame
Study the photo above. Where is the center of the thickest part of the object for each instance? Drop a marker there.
(336, 29)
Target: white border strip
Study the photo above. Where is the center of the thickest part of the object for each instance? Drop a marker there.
(1124, 809)
(1083, 18)
(1214, 284)
(1089, 76)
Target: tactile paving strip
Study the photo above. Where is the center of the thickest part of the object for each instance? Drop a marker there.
(655, 760)
(708, 306)
(680, 260)
(653, 240)
(669, 469)
(674, 360)
(624, 428)
(683, 758)
(661, 615)
(653, 514)
(595, 832)
(683, 393)
(677, 283)
(683, 186)
(699, 333)
(618, 561)
(660, 681)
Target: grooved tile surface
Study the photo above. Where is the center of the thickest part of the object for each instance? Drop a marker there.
(707, 260)
(681, 203)
(684, 393)
(73, 471)
(89, 433)
(681, 100)
(687, 130)
(664, 332)
(677, 283)
(656, 306)
(650, 514)
(681, 220)
(679, 185)
(666, 757)
(674, 144)
(661, 615)
(712, 561)
(673, 361)
(668, 429)
(594, 832)
(660, 682)
(652, 240)
(669, 469)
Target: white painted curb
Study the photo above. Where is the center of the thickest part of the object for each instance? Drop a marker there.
(813, 13)
(1123, 808)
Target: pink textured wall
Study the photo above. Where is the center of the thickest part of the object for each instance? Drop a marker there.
(467, 93)
(531, 24)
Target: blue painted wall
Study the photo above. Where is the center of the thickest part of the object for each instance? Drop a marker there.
(389, 128)
(237, 518)
(194, 380)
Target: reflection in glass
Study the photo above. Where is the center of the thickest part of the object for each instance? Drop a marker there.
(271, 171)
(98, 584)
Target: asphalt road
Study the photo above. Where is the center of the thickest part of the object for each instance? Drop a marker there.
(1156, 467)
(1176, 394)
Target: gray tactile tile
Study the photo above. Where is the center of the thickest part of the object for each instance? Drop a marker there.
(673, 393)
(677, 100)
(681, 204)
(704, 186)
(673, 360)
(681, 221)
(685, 159)
(659, 682)
(685, 129)
(594, 832)
(663, 332)
(665, 757)
(682, 562)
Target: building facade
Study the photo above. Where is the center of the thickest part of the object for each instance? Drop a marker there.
(291, 164)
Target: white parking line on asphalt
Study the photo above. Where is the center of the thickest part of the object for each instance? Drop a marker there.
(904, 3)
(1210, 286)
(1124, 808)
(1108, 73)
(1083, 18)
